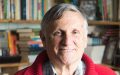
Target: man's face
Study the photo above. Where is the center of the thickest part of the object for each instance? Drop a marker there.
(66, 39)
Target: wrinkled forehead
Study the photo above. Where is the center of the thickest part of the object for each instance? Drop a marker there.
(68, 20)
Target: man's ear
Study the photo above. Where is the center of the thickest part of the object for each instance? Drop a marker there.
(42, 36)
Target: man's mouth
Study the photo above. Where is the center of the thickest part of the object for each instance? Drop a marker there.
(66, 49)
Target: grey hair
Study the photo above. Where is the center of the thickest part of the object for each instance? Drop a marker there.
(56, 13)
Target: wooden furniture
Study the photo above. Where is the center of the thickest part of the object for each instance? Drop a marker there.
(12, 68)
(95, 23)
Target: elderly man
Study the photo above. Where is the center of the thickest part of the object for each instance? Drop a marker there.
(64, 35)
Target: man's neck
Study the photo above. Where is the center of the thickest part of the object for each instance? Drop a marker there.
(64, 69)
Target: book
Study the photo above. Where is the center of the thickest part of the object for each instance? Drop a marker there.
(24, 30)
(1, 9)
(110, 9)
(17, 10)
(39, 8)
(26, 34)
(23, 9)
(94, 41)
(22, 43)
(3, 39)
(24, 38)
(119, 12)
(100, 5)
(116, 57)
(4, 43)
(8, 9)
(12, 9)
(5, 9)
(12, 39)
(109, 51)
(115, 10)
(35, 10)
(105, 9)
(28, 10)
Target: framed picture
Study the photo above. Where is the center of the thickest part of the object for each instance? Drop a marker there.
(89, 8)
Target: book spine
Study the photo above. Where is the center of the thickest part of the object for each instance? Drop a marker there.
(32, 9)
(27, 10)
(12, 44)
(0, 9)
(45, 6)
(42, 8)
(119, 12)
(110, 9)
(17, 10)
(2, 13)
(5, 9)
(39, 10)
(35, 10)
(8, 9)
(105, 9)
(23, 9)
(100, 4)
(115, 10)
(12, 4)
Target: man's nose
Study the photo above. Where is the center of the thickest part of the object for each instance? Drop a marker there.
(67, 40)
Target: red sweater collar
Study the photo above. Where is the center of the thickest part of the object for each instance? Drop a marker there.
(42, 57)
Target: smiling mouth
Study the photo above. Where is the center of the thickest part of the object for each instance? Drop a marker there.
(66, 50)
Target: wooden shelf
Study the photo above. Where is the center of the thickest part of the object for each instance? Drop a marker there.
(105, 23)
(13, 64)
(21, 21)
(95, 23)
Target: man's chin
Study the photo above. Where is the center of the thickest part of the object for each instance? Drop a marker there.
(67, 60)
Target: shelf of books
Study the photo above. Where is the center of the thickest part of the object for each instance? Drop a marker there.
(19, 41)
(19, 47)
(15, 10)
(98, 12)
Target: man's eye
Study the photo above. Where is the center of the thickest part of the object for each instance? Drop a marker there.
(57, 33)
(75, 32)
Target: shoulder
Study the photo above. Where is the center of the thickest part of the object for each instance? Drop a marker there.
(36, 67)
(25, 71)
(96, 69)
(21, 72)
(103, 70)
